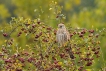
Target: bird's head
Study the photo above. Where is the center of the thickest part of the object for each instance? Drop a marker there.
(61, 26)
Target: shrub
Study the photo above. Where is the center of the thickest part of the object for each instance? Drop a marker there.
(31, 45)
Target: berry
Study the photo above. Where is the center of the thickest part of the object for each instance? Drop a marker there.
(5, 34)
(80, 35)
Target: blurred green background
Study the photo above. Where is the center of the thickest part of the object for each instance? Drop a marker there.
(79, 13)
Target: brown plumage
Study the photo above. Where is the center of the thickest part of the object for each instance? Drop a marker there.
(62, 36)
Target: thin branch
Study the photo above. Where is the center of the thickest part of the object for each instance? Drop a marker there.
(11, 33)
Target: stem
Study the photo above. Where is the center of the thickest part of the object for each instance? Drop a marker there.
(102, 57)
(11, 33)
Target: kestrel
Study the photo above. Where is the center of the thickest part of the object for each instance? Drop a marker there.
(62, 37)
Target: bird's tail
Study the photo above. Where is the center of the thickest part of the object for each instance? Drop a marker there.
(69, 50)
(71, 53)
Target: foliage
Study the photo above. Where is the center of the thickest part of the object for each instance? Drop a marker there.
(41, 51)
(28, 42)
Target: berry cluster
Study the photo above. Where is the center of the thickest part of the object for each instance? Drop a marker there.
(41, 51)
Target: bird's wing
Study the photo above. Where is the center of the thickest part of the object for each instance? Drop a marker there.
(58, 35)
(68, 35)
(65, 36)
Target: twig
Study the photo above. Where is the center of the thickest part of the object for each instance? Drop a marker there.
(11, 33)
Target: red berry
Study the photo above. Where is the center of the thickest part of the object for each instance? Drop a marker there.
(62, 55)
(97, 35)
(91, 31)
(93, 49)
(53, 58)
(80, 69)
(55, 32)
(45, 40)
(74, 33)
(40, 33)
(49, 29)
(80, 35)
(33, 25)
(18, 69)
(37, 36)
(96, 52)
(20, 32)
(71, 35)
(5, 34)
(22, 60)
(30, 59)
(89, 64)
(38, 22)
(8, 60)
(22, 29)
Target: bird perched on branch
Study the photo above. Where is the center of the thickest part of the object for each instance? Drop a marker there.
(62, 37)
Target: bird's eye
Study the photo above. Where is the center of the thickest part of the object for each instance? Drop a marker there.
(61, 26)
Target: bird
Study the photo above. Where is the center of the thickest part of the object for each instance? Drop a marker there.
(62, 37)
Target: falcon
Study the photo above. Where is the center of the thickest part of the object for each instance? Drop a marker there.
(62, 37)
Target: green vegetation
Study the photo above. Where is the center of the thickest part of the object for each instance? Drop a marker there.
(28, 29)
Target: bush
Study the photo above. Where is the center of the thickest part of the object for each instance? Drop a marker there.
(31, 45)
